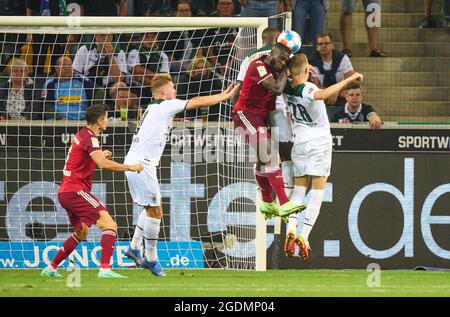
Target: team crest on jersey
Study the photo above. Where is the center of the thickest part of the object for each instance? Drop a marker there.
(153, 199)
(261, 70)
(310, 90)
(95, 142)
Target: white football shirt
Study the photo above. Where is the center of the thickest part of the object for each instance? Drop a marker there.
(149, 139)
(308, 114)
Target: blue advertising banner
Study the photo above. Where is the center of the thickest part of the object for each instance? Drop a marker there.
(23, 255)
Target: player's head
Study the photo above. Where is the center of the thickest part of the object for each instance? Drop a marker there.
(279, 57)
(298, 65)
(96, 115)
(354, 94)
(270, 35)
(162, 87)
(324, 43)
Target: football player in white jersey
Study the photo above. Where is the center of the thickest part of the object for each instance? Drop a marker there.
(147, 148)
(280, 121)
(312, 148)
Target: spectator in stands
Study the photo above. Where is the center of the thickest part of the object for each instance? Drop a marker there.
(260, 8)
(204, 7)
(105, 7)
(147, 60)
(224, 8)
(102, 62)
(346, 27)
(67, 95)
(355, 111)
(11, 43)
(428, 20)
(331, 66)
(177, 45)
(216, 43)
(17, 94)
(316, 11)
(161, 7)
(125, 103)
(44, 44)
(199, 81)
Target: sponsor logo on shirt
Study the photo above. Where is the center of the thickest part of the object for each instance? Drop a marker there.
(95, 142)
(262, 71)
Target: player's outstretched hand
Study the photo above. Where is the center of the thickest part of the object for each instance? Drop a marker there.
(358, 77)
(231, 90)
(107, 153)
(136, 168)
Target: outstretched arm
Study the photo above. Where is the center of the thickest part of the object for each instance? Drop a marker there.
(336, 88)
(207, 101)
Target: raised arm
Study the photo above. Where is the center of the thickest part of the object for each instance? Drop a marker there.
(336, 88)
(275, 85)
(102, 162)
(207, 101)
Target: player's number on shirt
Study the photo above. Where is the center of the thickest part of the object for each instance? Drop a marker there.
(299, 112)
(65, 171)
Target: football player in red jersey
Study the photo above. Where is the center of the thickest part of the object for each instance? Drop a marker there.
(74, 194)
(264, 80)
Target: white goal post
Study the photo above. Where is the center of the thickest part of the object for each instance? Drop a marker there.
(212, 221)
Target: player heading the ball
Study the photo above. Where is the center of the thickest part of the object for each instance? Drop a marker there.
(264, 79)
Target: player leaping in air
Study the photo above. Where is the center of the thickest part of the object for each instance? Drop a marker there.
(74, 194)
(311, 153)
(147, 148)
(279, 119)
(264, 79)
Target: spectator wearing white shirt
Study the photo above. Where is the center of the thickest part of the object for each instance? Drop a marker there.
(102, 62)
(330, 66)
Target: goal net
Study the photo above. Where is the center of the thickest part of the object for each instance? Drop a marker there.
(205, 173)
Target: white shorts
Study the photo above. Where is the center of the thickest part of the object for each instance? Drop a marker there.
(281, 125)
(144, 187)
(312, 156)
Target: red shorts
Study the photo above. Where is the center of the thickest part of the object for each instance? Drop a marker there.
(81, 207)
(255, 127)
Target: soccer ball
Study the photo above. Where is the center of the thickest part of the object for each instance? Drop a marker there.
(291, 40)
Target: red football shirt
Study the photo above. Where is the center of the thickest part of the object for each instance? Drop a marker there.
(253, 96)
(80, 167)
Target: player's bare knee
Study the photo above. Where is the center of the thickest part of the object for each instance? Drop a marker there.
(83, 233)
(154, 211)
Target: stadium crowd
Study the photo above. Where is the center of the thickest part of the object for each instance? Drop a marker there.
(48, 77)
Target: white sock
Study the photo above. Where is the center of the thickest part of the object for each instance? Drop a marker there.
(136, 243)
(312, 212)
(151, 235)
(298, 194)
(287, 170)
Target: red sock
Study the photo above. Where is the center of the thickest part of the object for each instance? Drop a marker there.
(107, 243)
(68, 246)
(264, 186)
(276, 181)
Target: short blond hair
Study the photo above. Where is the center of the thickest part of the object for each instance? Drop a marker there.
(158, 81)
(297, 64)
(16, 61)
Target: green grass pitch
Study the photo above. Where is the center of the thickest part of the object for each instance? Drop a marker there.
(223, 283)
